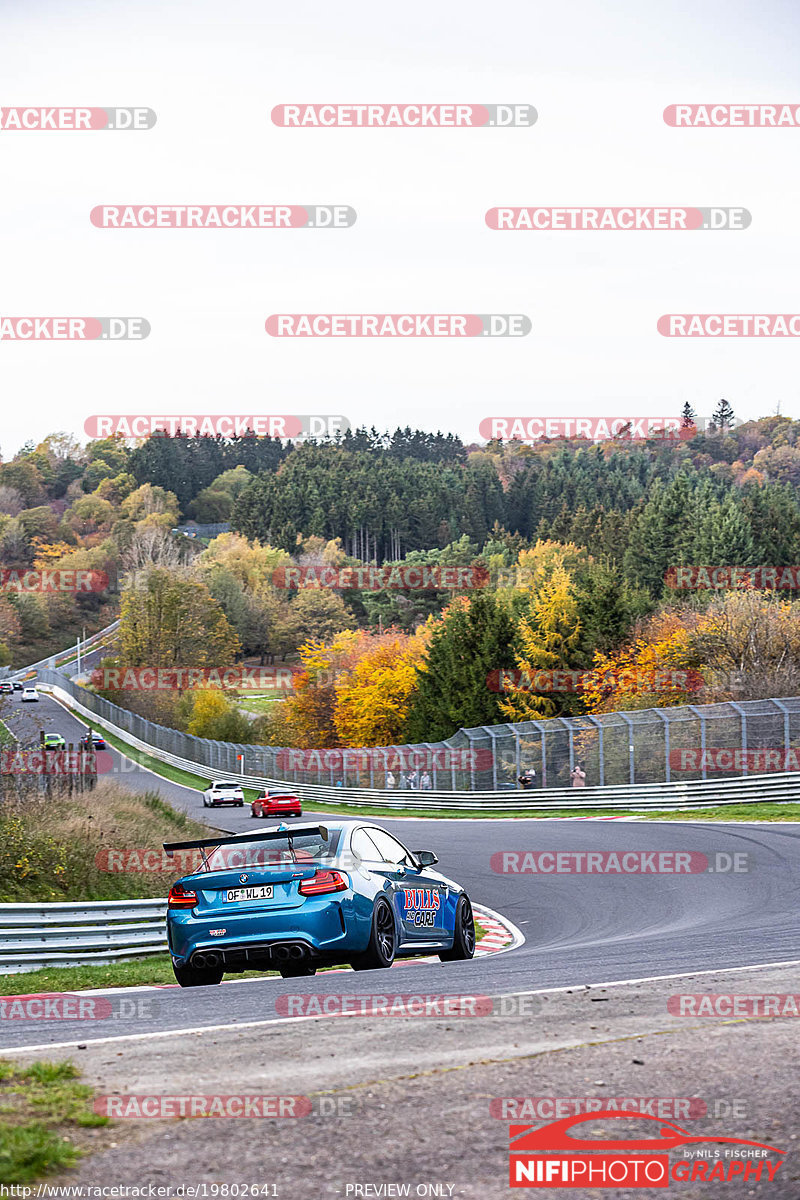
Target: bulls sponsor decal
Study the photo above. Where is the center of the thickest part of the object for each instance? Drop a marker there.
(421, 906)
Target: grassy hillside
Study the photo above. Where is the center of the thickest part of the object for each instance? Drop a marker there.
(50, 849)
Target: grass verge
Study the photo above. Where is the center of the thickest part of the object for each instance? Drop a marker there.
(735, 812)
(55, 849)
(257, 704)
(46, 1119)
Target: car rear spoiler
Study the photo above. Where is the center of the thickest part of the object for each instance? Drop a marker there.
(235, 839)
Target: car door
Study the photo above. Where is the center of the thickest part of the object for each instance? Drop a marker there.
(384, 862)
(421, 897)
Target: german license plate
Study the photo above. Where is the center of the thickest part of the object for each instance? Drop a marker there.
(252, 893)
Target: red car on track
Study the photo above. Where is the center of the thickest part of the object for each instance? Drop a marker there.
(276, 804)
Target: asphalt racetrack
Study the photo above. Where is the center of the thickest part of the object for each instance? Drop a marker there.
(580, 928)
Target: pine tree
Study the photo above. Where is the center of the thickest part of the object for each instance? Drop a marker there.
(475, 639)
(723, 417)
(688, 417)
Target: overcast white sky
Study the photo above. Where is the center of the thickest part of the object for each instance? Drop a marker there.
(599, 75)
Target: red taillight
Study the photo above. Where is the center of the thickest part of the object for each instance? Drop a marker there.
(179, 898)
(323, 882)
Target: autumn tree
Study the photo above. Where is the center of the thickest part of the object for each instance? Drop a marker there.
(373, 699)
(547, 639)
(170, 619)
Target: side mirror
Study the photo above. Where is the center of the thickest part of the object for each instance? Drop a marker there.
(425, 858)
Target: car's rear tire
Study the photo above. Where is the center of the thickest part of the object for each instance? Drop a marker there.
(295, 970)
(464, 935)
(240, 804)
(382, 944)
(197, 976)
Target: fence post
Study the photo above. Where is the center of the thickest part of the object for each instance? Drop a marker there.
(743, 718)
(693, 708)
(600, 752)
(779, 704)
(493, 739)
(667, 768)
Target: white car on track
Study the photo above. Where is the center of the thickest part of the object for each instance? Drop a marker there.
(29, 693)
(222, 792)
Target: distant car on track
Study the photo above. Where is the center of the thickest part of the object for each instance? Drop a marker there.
(276, 804)
(17, 686)
(222, 792)
(54, 741)
(29, 693)
(6, 687)
(344, 892)
(93, 740)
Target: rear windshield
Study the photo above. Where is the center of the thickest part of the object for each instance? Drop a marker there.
(305, 848)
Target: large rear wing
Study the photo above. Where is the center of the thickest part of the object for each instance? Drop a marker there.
(264, 836)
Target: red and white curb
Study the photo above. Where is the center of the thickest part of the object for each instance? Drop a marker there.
(500, 934)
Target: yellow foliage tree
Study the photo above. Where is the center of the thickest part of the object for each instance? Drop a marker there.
(548, 637)
(308, 714)
(373, 699)
(650, 670)
(209, 708)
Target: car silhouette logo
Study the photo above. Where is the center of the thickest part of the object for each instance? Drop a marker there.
(556, 1136)
(242, 879)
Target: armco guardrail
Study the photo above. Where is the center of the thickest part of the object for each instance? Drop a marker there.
(773, 788)
(65, 656)
(68, 935)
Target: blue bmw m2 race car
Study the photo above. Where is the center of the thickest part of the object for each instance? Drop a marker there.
(300, 897)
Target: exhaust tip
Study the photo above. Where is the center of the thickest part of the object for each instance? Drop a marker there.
(297, 952)
(211, 960)
(281, 953)
(198, 960)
